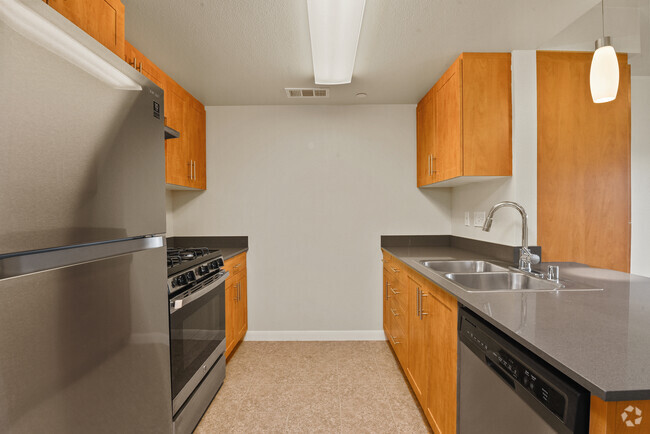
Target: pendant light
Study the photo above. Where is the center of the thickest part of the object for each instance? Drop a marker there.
(603, 77)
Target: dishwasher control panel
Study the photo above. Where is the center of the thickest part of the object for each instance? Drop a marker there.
(522, 371)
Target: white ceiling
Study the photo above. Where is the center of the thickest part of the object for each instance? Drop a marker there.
(244, 52)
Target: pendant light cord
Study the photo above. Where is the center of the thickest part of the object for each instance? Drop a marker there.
(602, 10)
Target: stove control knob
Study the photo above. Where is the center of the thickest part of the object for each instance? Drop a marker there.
(214, 265)
(181, 280)
(203, 270)
(173, 283)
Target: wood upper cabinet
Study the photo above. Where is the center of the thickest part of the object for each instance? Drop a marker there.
(185, 162)
(426, 122)
(448, 132)
(471, 135)
(101, 19)
(195, 130)
(236, 302)
(441, 360)
(146, 67)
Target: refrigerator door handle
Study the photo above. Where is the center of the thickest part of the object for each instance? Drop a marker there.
(16, 265)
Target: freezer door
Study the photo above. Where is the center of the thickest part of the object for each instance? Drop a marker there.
(82, 156)
(85, 348)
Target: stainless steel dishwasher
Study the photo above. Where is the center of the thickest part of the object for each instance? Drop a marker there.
(503, 389)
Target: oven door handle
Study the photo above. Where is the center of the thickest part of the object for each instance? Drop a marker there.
(177, 304)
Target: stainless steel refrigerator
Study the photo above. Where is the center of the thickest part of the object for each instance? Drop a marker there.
(84, 327)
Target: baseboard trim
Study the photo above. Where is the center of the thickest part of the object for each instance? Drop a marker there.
(315, 335)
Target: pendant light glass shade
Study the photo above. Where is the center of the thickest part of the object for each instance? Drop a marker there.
(603, 77)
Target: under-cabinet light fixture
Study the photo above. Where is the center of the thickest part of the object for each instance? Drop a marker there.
(38, 29)
(604, 75)
(334, 27)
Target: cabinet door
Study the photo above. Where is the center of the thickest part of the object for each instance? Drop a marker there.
(195, 135)
(441, 360)
(416, 369)
(230, 315)
(242, 308)
(386, 298)
(137, 60)
(178, 167)
(448, 129)
(425, 139)
(101, 19)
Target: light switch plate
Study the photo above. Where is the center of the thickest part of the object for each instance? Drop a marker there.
(479, 218)
(467, 220)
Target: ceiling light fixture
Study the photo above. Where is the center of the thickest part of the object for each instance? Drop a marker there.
(603, 77)
(334, 27)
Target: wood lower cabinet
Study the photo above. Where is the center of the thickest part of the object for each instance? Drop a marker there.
(424, 337)
(386, 302)
(418, 325)
(101, 19)
(464, 123)
(442, 360)
(236, 302)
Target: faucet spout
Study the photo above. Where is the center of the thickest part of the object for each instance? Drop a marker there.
(526, 258)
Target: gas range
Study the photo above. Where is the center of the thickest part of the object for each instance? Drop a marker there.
(187, 266)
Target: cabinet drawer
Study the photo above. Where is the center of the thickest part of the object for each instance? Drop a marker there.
(397, 292)
(399, 341)
(236, 264)
(398, 314)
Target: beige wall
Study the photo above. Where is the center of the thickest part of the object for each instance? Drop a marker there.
(313, 187)
(640, 263)
(522, 186)
(169, 212)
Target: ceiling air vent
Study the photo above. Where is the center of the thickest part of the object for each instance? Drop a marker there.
(307, 93)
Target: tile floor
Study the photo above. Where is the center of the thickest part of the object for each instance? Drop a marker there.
(326, 387)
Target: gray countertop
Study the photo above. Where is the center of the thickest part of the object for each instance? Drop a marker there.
(600, 339)
(229, 252)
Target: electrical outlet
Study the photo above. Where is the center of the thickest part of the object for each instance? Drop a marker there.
(467, 220)
(479, 218)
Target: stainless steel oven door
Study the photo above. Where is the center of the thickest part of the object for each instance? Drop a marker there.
(198, 334)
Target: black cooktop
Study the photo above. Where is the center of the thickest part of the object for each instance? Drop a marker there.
(180, 259)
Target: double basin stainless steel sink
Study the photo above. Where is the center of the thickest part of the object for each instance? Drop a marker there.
(482, 276)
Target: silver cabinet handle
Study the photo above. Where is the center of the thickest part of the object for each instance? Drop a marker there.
(395, 270)
(417, 301)
(393, 312)
(394, 292)
(395, 342)
(422, 312)
(432, 160)
(387, 296)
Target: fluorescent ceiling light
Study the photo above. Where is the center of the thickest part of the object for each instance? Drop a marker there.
(36, 28)
(334, 26)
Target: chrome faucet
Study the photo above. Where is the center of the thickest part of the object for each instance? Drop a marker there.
(526, 258)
